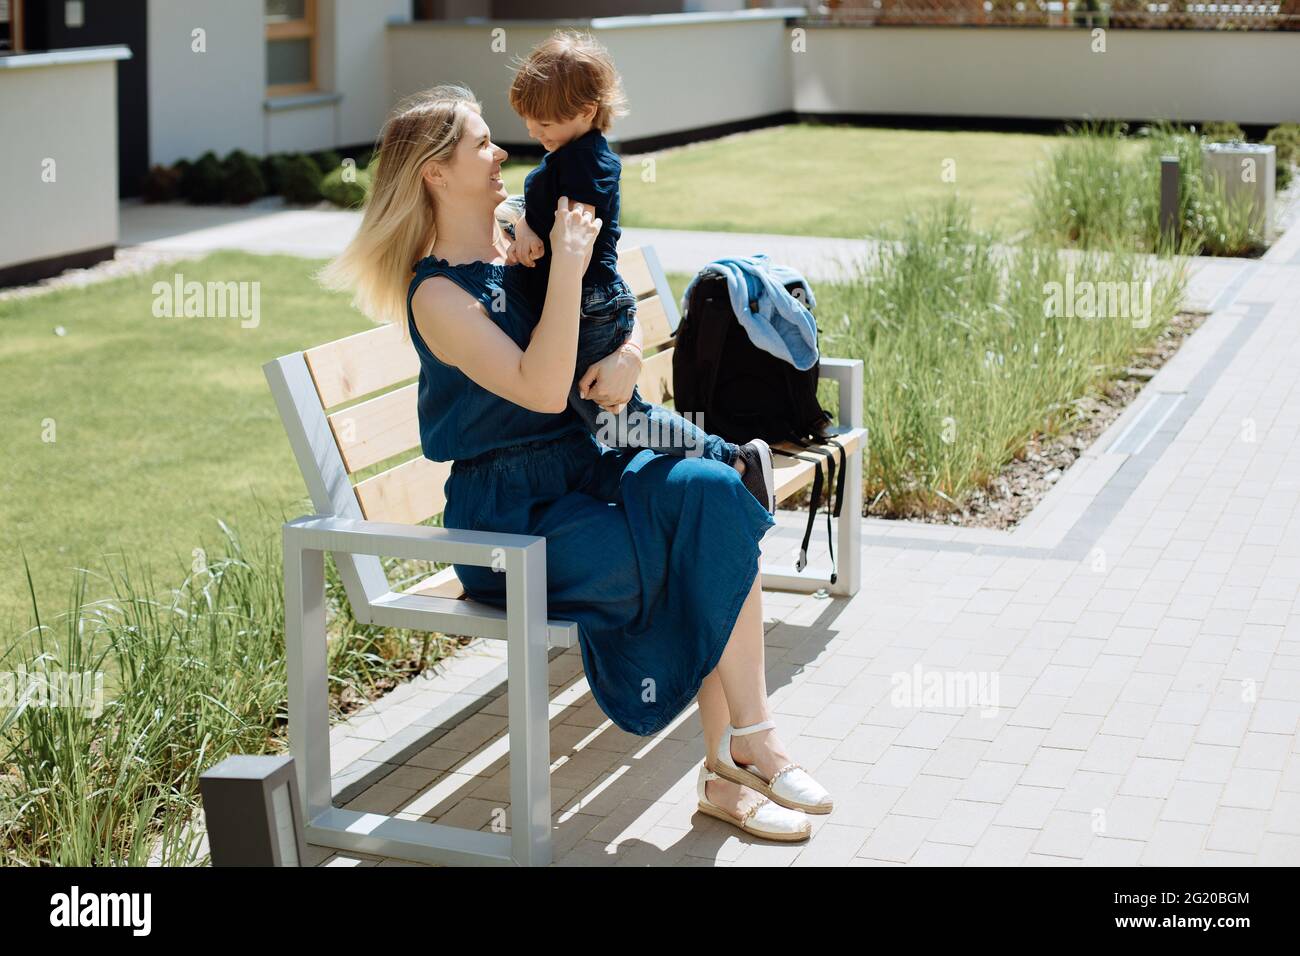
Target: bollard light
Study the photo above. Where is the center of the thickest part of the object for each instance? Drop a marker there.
(251, 805)
(1169, 185)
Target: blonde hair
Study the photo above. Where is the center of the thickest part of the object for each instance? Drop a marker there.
(397, 223)
(565, 74)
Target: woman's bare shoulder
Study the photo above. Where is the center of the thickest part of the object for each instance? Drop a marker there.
(437, 296)
(438, 306)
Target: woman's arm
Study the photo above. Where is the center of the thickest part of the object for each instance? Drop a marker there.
(459, 333)
(610, 381)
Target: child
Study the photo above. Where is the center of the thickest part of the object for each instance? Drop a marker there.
(568, 93)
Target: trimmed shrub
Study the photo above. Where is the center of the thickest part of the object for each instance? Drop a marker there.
(203, 181)
(337, 189)
(271, 173)
(299, 179)
(161, 184)
(243, 178)
(1286, 138)
(327, 159)
(1220, 131)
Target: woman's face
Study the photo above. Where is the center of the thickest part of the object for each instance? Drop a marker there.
(475, 166)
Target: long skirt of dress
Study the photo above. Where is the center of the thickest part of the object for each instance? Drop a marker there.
(651, 555)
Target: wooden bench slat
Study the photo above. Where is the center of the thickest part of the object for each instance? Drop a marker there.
(443, 583)
(655, 330)
(378, 429)
(361, 364)
(656, 379)
(636, 272)
(379, 358)
(409, 493)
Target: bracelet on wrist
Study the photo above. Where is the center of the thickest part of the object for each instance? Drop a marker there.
(631, 347)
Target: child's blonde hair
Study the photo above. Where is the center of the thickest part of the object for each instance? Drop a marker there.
(565, 74)
(397, 224)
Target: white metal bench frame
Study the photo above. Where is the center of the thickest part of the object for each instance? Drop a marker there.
(358, 544)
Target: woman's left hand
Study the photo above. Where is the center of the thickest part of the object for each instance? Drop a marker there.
(610, 381)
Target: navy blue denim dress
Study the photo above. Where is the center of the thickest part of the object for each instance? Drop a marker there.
(651, 555)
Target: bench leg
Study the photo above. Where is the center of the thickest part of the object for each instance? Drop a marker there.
(306, 665)
(848, 544)
(849, 577)
(528, 703)
(307, 675)
(849, 533)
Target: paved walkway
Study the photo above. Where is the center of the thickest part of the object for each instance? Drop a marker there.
(267, 226)
(1137, 637)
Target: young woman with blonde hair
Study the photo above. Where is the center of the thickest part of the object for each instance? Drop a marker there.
(655, 557)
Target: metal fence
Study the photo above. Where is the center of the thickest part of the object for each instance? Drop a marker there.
(1128, 14)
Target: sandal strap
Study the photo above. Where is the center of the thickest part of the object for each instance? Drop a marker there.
(748, 814)
(786, 769)
(753, 728)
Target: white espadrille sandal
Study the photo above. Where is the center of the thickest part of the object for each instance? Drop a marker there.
(791, 786)
(765, 819)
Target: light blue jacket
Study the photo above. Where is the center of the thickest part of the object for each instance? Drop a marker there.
(775, 321)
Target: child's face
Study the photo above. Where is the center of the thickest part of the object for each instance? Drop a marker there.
(553, 134)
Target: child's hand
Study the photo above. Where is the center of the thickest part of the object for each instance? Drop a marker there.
(526, 248)
(511, 257)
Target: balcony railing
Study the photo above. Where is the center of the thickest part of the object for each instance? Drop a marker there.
(1129, 14)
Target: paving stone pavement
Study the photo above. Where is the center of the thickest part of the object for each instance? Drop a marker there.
(1134, 702)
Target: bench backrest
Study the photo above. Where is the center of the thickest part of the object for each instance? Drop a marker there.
(349, 408)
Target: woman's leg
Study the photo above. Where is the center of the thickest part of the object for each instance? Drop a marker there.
(736, 693)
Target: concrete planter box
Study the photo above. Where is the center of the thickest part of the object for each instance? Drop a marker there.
(1245, 169)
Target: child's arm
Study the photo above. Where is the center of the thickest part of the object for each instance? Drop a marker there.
(527, 247)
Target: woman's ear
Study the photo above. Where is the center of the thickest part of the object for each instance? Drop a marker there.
(433, 176)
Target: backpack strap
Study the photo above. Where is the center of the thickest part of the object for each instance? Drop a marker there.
(839, 487)
(817, 457)
(802, 561)
(835, 499)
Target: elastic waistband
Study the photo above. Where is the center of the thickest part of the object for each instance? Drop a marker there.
(513, 456)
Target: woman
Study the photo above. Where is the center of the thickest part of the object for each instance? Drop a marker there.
(655, 557)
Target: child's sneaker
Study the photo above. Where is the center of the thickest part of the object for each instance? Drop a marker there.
(758, 476)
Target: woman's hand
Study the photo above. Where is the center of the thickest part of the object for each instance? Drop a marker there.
(610, 381)
(574, 232)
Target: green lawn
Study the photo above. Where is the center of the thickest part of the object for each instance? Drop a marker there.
(819, 180)
(160, 425)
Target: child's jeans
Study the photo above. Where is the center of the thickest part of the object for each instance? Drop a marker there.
(606, 322)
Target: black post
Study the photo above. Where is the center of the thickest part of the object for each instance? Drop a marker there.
(251, 806)
(1169, 177)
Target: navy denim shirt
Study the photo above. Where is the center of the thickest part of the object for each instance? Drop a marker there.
(587, 171)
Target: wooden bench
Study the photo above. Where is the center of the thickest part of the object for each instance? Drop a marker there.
(350, 406)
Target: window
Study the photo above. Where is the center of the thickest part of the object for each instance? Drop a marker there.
(290, 46)
(11, 26)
